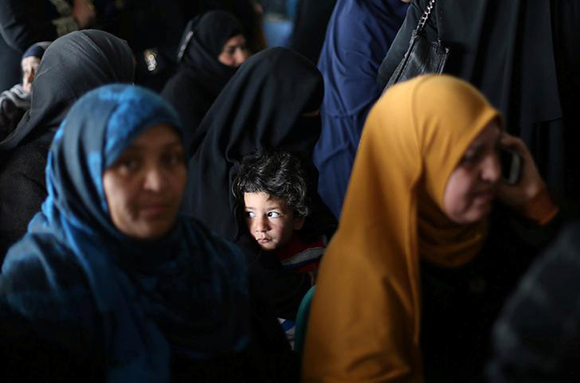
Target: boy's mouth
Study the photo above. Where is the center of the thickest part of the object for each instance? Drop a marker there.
(263, 240)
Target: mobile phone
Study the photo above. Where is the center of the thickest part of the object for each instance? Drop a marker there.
(511, 166)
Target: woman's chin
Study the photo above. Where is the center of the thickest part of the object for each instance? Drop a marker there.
(480, 212)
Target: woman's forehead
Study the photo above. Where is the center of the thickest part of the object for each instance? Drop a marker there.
(159, 135)
(490, 134)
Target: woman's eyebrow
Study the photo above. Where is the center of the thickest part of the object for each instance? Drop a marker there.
(475, 147)
(136, 146)
(234, 45)
(174, 143)
(132, 148)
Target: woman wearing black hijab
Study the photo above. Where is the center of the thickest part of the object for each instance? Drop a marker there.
(211, 49)
(71, 66)
(271, 103)
(262, 107)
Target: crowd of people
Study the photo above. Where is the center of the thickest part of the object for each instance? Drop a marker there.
(169, 199)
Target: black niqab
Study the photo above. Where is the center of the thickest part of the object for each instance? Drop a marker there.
(201, 77)
(71, 66)
(203, 40)
(215, 29)
(260, 109)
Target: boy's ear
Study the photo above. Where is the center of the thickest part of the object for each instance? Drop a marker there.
(299, 222)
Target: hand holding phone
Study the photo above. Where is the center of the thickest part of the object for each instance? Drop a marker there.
(521, 179)
(511, 163)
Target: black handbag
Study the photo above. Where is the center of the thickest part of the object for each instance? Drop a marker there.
(422, 56)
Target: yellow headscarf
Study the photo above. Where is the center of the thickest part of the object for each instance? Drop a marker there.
(365, 316)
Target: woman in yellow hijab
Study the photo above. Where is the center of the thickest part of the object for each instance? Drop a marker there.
(422, 187)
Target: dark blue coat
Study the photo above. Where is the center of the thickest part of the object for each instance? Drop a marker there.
(357, 39)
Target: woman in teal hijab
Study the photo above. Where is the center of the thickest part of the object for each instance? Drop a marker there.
(109, 270)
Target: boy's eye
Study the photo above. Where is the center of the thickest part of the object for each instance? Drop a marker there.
(250, 214)
(274, 214)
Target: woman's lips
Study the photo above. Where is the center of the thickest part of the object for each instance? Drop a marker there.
(485, 196)
(154, 210)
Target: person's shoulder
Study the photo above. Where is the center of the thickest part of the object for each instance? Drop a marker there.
(41, 277)
(38, 254)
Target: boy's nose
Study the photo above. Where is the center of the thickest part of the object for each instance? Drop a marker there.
(260, 225)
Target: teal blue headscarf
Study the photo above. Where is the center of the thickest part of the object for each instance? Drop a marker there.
(185, 293)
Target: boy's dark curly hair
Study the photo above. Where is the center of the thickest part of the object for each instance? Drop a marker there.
(277, 173)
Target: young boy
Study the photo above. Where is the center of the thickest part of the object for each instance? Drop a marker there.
(273, 193)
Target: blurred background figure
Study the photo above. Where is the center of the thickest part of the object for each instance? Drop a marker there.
(213, 45)
(16, 101)
(153, 29)
(296, 24)
(311, 20)
(278, 18)
(25, 22)
(524, 56)
(30, 61)
(249, 12)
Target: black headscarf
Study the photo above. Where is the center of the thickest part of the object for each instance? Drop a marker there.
(213, 30)
(201, 77)
(71, 66)
(37, 50)
(260, 109)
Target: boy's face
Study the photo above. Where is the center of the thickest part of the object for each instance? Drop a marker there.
(269, 220)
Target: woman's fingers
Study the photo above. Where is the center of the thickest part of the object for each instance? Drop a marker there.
(530, 183)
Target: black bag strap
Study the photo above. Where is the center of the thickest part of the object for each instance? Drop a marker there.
(425, 16)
